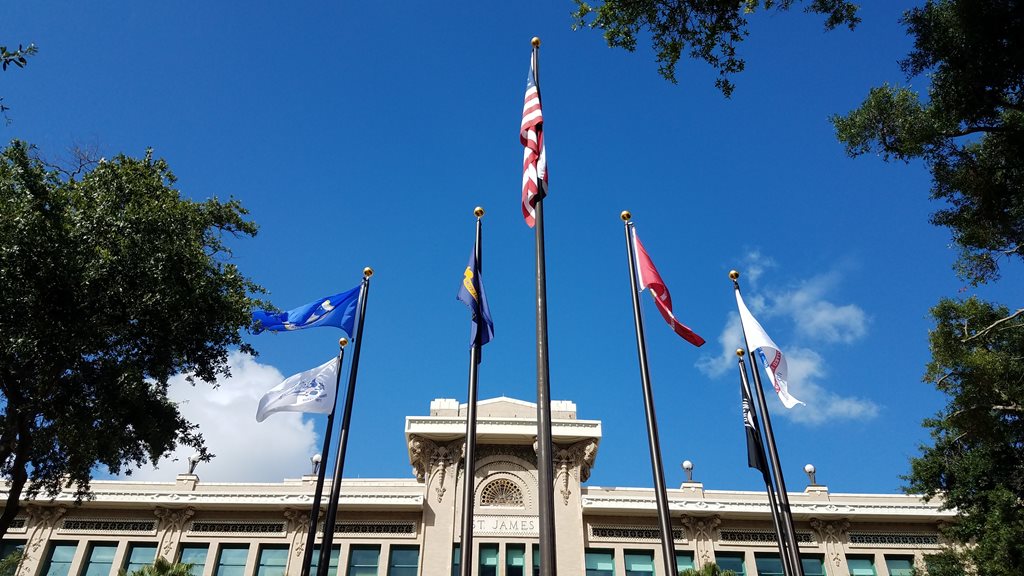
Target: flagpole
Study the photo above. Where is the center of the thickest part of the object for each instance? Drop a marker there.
(545, 467)
(307, 553)
(466, 546)
(787, 561)
(780, 481)
(668, 548)
(327, 542)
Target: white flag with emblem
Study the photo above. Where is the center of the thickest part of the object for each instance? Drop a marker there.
(771, 357)
(309, 391)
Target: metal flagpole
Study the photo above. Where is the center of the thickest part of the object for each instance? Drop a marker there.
(327, 542)
(545, 468)
(668, 548)
(466, 562)
(307, 553)
(784, 557)
(773, 453)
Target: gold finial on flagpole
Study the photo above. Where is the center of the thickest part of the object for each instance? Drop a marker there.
(740, 352)
(535, 42)
(733, 275)
(625, 215)
(343, 342)
(478, 212)
(367, 271)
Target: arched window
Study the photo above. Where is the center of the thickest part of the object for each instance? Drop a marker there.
(501, 492)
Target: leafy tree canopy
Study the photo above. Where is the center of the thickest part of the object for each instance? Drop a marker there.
(110, 284)
(977, 461)
(18, 58)
(708, 30)
(969, 130)
(162, 567)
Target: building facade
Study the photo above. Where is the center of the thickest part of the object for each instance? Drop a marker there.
(411, 526)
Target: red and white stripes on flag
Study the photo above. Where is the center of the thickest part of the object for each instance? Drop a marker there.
(648, 277)
(531, 134)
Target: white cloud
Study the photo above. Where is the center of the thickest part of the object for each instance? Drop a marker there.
(806, 370)
(268, 451)
(755, 264)
(818, 319)
(730, 339)
(815, 319)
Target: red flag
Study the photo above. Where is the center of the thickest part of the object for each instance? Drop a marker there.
(531, 134)
(648, 277)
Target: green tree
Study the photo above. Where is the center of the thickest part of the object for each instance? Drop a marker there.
(18, 58)
(970, 129)
(9, 564)
(110, 284)
(162, 567)
(708, 569)
(976, 462)
(708, 30)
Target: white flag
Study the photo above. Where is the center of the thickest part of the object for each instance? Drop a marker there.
(770, 355)
(309, 391)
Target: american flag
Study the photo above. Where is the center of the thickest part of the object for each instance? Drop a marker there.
(531, 134)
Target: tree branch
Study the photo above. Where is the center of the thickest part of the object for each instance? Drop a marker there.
(992, 326)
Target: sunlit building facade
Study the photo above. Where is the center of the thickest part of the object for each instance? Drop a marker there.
(411, 526)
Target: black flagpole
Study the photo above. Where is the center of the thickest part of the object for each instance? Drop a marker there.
(469, 462)
(787, 561)
(773, 453)
(668, 549)
(545, 468)
(314, 512)
(327, 542)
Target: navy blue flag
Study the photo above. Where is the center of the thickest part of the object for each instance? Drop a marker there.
(338, 311)
(472, 295)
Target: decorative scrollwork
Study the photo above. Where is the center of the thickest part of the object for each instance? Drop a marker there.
(501, 492)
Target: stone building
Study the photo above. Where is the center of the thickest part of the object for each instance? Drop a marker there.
(411, 526)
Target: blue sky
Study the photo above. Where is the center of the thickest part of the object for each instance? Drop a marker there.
(363, 134)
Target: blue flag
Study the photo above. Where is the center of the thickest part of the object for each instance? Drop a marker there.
(472, 295)
(338, 311)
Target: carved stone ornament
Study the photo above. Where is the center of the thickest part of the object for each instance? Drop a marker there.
(575, 460)
(42, 519)
(430, 459)
(298, 527)
(172, 520)
(831, 535)
(703, 531)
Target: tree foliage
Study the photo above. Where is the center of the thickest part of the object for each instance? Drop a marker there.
(976, 462)
(110, 284)
(708, 569)
(708, 30)
(162, 567)
(9, 564)
(969, 130)
(18, 58)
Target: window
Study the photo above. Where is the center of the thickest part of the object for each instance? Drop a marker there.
(900, 565)
(101, 559)
(403, 561)
(488, 560)
(769, 565)
(639, 562)
(332, 564)
(515, 560)
(362, 560)
(731, 561)
(861, 565)
(59, 561)
(194, 554)
(684, 560)
(272, 561)
(813, 565)
(231, 560)
(600, 563)
(456, 559)
(535, 553)
(140, 554)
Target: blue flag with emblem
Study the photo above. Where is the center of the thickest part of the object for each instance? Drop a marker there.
(471, 293)
(338, 310)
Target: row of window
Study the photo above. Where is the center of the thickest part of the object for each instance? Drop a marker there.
(231, 559)
(641, 563)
